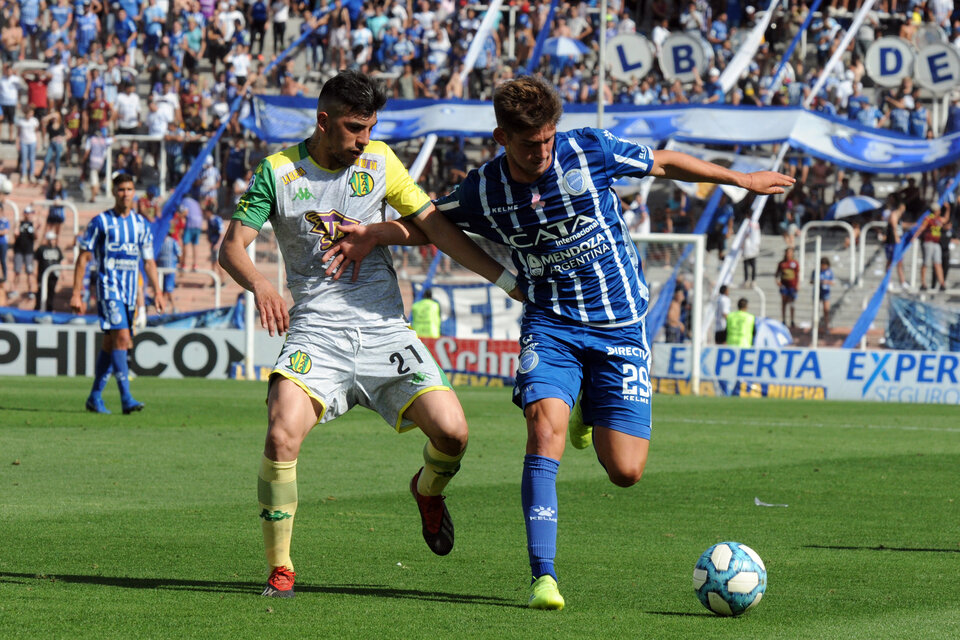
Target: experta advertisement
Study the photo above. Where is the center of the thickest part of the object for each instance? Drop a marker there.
(829, 374)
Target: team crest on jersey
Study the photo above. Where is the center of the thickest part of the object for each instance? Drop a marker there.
(326, 224)
(535, 265)
(573, 182)
(361, 183)
(300, 362)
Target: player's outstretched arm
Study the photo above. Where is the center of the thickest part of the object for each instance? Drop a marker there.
(359, 240)
(677, 165)
(451, 239)
(274, 316)
(76, 298)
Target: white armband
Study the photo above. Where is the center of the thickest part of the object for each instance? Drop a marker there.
(507, 281)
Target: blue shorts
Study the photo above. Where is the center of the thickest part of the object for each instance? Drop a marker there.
(115, 314)
(788, 292)
(560, 357)
(191, 236)
(824, 295)
(888, 250)
(169, 282)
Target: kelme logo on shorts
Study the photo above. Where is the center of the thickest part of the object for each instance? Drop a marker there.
(361, 183)
(274, 516)
(300, 362)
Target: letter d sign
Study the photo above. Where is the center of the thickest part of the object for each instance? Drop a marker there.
(889, 60)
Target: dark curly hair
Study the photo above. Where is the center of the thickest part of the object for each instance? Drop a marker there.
(351, 92)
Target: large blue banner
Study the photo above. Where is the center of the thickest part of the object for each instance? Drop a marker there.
(840, 141)
(918, 326)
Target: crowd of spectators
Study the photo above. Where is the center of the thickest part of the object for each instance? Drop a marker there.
(80, 77)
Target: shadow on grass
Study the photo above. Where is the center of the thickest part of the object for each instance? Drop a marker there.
(80, 409)
(681, 614)
(879, 547)
(254, 588)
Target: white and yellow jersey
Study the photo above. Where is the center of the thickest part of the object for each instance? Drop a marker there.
(306, 204)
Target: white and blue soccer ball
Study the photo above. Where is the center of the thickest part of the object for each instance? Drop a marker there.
(729, 578)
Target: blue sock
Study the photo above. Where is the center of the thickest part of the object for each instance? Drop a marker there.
(119, 359)
(101, 373)
(538, 491)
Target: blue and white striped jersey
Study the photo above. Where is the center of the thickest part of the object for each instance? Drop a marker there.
(118, 243)
(570, 244)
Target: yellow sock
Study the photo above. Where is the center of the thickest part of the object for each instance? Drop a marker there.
(277, 493)
(438, 469)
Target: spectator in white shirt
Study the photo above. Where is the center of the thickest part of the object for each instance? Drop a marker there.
(127, 113)
(10, 87)
(27, 128)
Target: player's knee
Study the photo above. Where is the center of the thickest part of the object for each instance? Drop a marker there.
(625, 477)
(452, 444)
(281, 444)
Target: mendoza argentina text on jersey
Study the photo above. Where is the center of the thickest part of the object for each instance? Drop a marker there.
(306, 204)
(571, 246)
(118, 243)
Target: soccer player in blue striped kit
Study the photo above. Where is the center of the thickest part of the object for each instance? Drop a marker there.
(116, 240)
(549, 198)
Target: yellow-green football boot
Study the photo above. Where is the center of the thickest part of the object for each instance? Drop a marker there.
(546, 595)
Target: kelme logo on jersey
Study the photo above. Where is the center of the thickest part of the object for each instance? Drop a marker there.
(300, 362)
(361, 183)
(326, 225)
(303, 194)
(573, 182)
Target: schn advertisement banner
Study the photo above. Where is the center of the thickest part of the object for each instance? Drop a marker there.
(487, 363)
(825, 374)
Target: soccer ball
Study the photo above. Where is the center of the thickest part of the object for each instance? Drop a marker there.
(729, 578)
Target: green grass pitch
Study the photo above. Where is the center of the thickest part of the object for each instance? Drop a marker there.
(145, 526)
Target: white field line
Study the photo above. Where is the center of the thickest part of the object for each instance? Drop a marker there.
(818, 425)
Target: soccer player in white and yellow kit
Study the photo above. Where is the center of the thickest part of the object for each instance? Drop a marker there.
(348, 342)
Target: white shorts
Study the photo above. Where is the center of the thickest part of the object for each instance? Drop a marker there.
(381, 368)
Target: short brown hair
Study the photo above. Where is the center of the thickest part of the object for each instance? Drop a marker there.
(525, 103)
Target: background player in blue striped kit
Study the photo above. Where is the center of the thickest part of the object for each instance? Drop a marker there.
(549, 198)
(116, 240)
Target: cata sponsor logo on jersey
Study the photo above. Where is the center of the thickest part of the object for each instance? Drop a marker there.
(361, 184)
(559, 232)
(326, 224)
(300, 362)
